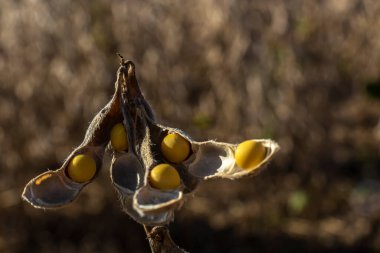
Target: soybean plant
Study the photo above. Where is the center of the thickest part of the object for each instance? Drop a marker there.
(153, 166)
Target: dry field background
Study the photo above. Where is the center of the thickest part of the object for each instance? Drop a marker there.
(305, 73)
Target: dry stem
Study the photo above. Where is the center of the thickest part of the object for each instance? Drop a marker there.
(160, 240)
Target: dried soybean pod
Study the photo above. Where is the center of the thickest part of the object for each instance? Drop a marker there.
(56, 188)
(213, 159)
(153, 166)
(130, 169)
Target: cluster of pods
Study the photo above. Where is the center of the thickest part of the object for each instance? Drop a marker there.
(153, 166)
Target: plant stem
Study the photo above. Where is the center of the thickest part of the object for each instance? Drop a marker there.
(160, 240)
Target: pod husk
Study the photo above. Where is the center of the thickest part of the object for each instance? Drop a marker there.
(127, 173)
(54, 189)
(148, 200)
(217, 160)
(130, 169)
(152, 219)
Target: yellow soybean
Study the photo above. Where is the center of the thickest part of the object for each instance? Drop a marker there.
(175, 148)
(82, 168)
(119, 137)
(164, 177)
(249, 154)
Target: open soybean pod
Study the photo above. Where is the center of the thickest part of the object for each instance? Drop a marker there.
(56, 188)
(130, 175)
(130, 168)
(213, 159)
(199, 161)
(162, 164)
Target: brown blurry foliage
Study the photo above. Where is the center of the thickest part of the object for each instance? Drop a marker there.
(295, 71)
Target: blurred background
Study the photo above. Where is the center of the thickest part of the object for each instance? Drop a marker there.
(304, 73)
